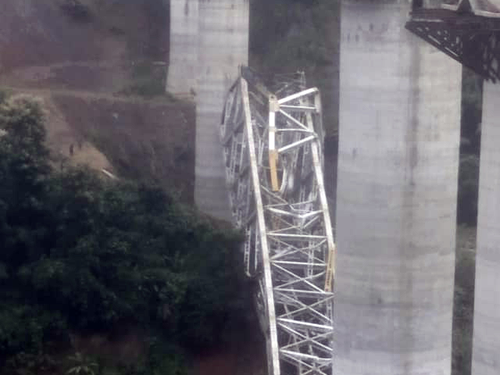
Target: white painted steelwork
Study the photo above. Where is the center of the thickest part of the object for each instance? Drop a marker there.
(273, 160)
(484, 8)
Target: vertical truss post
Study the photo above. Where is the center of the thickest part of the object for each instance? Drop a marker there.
(268, 284)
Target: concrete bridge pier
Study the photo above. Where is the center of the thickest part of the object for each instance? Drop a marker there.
(486, 343)
(182, 70)
(222, 47)
(396, 198)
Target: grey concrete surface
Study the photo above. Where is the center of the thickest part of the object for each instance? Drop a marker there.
(182, 69)
(223, 46)
(486, 342)
(396, 197)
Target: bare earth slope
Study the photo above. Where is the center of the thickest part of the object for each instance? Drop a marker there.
(82, 66)
(44, 43)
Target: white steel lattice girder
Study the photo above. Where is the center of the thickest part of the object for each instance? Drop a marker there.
(272, 153)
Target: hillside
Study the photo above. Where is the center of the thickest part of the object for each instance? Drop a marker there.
(96, 65)
(96, 45)
(100, 71)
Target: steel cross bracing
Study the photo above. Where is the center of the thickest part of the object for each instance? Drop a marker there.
(273, 159)
(469, 39)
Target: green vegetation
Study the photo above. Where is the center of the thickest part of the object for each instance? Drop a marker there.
(467, 209)
(82, 254)
(463, 304)
(472, 101)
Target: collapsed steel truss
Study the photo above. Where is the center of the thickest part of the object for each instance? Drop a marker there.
(272, 153)
(471, 40)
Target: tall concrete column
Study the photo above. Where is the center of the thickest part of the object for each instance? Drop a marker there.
(396, 197)
(182, 69)
(486, 343)
(223, 46)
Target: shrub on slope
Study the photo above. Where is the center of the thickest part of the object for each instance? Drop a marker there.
(79, 252)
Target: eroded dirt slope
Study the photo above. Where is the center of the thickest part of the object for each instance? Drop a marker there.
(43, 43)
(85, 69)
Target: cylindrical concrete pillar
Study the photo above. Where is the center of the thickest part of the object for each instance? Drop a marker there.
(223, 46)
(182, 69)
(486, 343)
(396, 197)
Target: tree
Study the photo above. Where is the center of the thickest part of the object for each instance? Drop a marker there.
(80, 252)
(24, 170)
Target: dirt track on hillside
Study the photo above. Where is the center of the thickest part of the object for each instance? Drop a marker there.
(145, 140)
